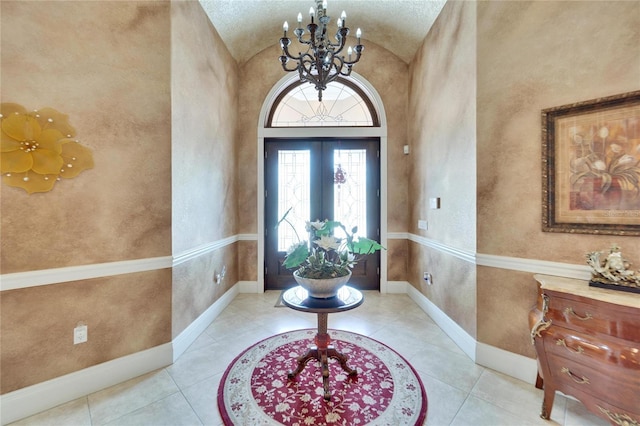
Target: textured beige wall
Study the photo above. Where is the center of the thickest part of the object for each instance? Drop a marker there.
(106, 65)
(531, 56)
(204, 110)
(194, 288)
(442, 130)
(247, 255)
(204, 89)
(124, 314)
(258, 75)
(109, 71)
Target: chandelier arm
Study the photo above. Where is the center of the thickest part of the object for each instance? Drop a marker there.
(305, 66)
(284, 44)
(359, 48)
(302, 41)
(335, 75)
(312, 28)
(338, 47)
(346, 74)
(341, 36)
(283, 61)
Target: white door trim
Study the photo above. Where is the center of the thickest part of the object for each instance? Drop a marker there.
(345, 132)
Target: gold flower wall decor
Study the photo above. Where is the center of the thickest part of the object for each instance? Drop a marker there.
(39, 148)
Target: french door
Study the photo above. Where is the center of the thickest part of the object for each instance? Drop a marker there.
(318, 179)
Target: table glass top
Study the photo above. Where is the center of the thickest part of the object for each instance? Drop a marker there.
(298, 298)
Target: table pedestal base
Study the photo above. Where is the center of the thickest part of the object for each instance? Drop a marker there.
(322, 352)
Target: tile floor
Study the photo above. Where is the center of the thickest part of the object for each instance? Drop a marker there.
(184, 393)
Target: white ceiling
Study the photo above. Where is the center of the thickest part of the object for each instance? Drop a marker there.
(250, 26)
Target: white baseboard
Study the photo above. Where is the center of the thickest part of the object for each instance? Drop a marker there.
(43, 396)
(250, 287)
(505, 362)
(195, 329)
(509, 363)
(395, 287)
(449, 326)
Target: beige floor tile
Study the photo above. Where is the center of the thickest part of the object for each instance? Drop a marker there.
(478, 412)
(173, 410)
(74, 413)
(126, 397)
(515, 396)
(203, 399)
(444, 401)
(452, 368)
(195, 366)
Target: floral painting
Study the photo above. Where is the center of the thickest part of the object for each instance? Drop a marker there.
(39, 148)
(591, 166)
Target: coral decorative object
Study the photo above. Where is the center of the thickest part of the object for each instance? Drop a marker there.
(39, 148)
(613, 272)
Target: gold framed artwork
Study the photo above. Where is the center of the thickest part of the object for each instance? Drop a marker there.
(591, 166)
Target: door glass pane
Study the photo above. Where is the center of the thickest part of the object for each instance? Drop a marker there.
(294, 188)
(350, 189)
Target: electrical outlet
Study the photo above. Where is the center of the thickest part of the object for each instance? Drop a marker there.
(422, 224)
(80, 334)
(217, 278)
(427, 278)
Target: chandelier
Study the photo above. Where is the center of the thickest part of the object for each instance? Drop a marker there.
(322, 63)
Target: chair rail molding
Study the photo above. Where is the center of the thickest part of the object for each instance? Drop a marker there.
(18, 280)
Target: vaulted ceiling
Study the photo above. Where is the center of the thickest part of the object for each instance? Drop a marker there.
(250, 26)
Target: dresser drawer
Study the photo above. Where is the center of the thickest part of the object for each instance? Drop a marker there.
(607, 409)
(617, 385)
(604, 319)
(598, 353)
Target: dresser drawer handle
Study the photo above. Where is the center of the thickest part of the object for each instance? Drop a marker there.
(618, 419)
(579, 380)
(561, 342)
(569, 311)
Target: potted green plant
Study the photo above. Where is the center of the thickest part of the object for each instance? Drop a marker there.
(323, 263)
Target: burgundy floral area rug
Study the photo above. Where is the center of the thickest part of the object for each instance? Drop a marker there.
(255, 389)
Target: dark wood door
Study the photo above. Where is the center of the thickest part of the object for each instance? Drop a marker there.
(336, 179)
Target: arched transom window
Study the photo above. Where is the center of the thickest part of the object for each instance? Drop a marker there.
(344, 104)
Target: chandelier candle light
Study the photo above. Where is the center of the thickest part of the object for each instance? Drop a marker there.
(322, 63)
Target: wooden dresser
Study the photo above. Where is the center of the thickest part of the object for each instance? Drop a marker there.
(588, 345)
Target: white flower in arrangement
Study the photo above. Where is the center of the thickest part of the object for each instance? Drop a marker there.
(328, 256)
(328, 243)
(317, 225)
